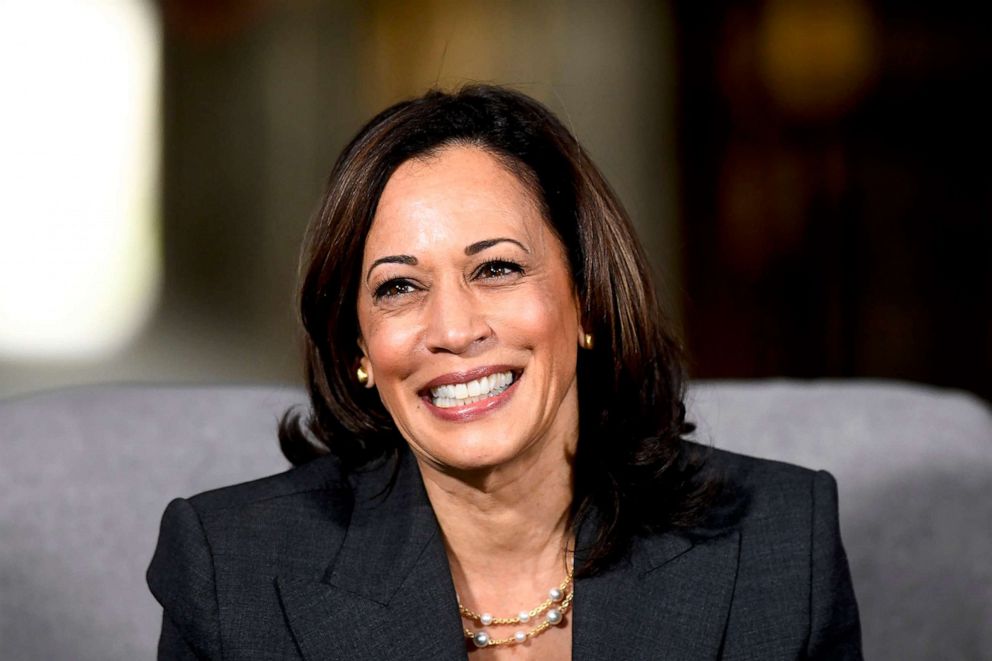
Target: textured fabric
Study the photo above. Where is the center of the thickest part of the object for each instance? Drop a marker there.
(311, 565)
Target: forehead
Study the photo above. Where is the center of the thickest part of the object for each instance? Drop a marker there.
(461, 194)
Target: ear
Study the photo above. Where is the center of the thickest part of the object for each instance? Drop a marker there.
(585, 339)
(366, 364)
(580, 325)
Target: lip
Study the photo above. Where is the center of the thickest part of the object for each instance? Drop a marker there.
(474, 410)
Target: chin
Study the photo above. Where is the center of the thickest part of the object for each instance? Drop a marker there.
(471, 452)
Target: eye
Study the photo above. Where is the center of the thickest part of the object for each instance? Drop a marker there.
(498, 268)
(393, 288)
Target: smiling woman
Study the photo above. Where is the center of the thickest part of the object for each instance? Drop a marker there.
(487, 292)
(494, 459)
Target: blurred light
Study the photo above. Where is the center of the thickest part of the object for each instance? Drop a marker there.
(79, 132)
(817, 57)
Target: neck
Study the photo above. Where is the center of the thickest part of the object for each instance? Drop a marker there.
(506, 529)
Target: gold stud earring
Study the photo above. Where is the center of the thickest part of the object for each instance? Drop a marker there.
(363, 376)
(587, 341)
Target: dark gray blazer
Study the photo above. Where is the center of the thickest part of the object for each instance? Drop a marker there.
(316, 564)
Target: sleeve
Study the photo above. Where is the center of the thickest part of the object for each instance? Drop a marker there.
(181, 577)
(835, 629)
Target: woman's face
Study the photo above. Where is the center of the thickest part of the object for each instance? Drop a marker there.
(469, 320)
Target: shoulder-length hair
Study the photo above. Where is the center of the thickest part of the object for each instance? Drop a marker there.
(631, 466)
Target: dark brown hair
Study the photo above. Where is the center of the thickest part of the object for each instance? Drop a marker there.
(632, 467)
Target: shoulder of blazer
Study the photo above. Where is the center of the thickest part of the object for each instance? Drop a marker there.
(322, 474)
(219, 552)
(755, 472)
(793, 594)
(301, 513)
(755, 491)
(692, 594)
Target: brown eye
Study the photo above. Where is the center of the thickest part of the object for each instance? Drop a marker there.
(498, 269)
(393, 288)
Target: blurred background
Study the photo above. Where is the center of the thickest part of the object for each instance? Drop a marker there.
(811, 178)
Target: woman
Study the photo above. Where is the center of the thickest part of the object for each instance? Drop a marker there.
(494, 460)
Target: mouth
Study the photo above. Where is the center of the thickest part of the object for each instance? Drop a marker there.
(461, 394)
(479, 389)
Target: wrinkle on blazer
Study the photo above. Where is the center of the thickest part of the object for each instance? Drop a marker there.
(317, 564)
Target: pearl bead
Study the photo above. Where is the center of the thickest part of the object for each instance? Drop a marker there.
(554, 616)
(486, 619)
(520, 636)
(555, 594)
(523, 616)
(481, 639)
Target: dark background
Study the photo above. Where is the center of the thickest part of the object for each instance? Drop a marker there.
(837, 204)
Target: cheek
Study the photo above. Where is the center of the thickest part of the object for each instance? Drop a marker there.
(539, 319)
(389, 343)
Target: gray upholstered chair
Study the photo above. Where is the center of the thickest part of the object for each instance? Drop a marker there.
(86, 472)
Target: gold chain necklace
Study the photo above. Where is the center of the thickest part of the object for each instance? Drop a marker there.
(553, 608)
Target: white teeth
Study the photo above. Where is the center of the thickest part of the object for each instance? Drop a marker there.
(460, 394)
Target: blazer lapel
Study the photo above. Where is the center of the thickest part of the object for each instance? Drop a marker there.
(388, 594)
(671, 601)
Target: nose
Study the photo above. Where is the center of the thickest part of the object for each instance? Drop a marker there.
(456, 321)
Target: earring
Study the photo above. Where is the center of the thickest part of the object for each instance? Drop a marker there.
(363, 376)
(587, 341)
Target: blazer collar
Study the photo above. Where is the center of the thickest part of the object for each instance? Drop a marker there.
(388, 593)
(670, 598)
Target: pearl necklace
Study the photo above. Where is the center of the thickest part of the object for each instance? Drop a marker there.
(554, 608)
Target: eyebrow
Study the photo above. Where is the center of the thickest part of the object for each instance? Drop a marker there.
(470, 250)
(479, 246)
(409, 260)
